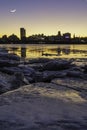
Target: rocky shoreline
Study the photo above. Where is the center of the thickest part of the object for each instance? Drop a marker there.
(14, 73)
(42, 94)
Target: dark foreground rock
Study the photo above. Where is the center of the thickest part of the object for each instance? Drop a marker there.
(60, 104)
(43, 106)
(38, 60)
(8, 83)
(57, 65)
(47, 76)
(8, 63)
(85, 68)
(4, 83)
(9, 56)
(8, 59)
(18, 80)
(45, 71)
(75, 74)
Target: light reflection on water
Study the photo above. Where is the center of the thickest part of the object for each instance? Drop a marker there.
(47, 51)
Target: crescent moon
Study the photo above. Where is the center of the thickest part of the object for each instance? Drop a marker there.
(13, 11)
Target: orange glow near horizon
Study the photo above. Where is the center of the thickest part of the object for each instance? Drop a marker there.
(49, 31)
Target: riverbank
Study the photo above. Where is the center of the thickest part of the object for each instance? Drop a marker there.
(45, 106)
(42, 94)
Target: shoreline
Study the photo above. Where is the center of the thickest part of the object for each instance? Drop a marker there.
(42, 94)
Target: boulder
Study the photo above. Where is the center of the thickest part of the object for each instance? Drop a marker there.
(50, 75)
(76, 74)
(4, 87)
(57, 65)
(29, 71)
(37, 66)
(4, 83)
(39, 60)
(18, 80)
(47, 76)
(10, 70)
(38, 77)
(84, 69)
(10, 56)
(8, 63)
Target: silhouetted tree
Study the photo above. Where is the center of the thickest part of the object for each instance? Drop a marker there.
(4, 39)
(13, 38)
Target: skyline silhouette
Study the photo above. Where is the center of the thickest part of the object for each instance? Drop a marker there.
(23, 33)
(59, 38)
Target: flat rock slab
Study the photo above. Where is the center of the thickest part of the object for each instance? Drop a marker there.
(73, 83)
(43, 106)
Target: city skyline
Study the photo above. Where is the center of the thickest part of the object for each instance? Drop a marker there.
(48, 17)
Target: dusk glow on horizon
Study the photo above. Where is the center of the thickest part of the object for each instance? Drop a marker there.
(43, 16)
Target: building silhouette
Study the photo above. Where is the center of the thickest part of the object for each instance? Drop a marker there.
(59, 35)
(23, 52)
(67, 36)
(22, 33)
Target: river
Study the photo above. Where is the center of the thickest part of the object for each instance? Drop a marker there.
(28, 51)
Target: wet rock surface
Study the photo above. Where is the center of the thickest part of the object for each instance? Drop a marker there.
(40, 70)
(43, 106)
(9, 56)
(42, 94)
(57, 65)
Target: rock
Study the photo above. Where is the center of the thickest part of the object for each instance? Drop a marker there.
(30, 79)
(10, 70)
(3, 87)
(79, 84)
(84, 68)
(27, 70)
(50, 75)
(76, 68)
(10, 56)
(39, 60)
(47, 76)
(57, 65)
(38, 77)
(43, 106)
(4, 83)
(37, 66)
(76, 74)
(8, 63)
(18, 80)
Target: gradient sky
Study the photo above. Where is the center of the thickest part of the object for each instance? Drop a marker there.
(43, 16)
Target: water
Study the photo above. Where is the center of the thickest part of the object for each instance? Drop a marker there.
(47, 51)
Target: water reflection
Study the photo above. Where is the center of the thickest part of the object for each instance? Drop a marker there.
(13, 49)
(23, 53)
(49, 51)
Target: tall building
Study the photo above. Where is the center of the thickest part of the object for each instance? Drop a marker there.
(22, 33)
(59, 35)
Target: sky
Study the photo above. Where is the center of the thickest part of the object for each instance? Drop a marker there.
(43, 16)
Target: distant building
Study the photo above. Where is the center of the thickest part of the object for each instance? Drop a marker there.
(67, 36)
(22, 33)
(59, 35)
